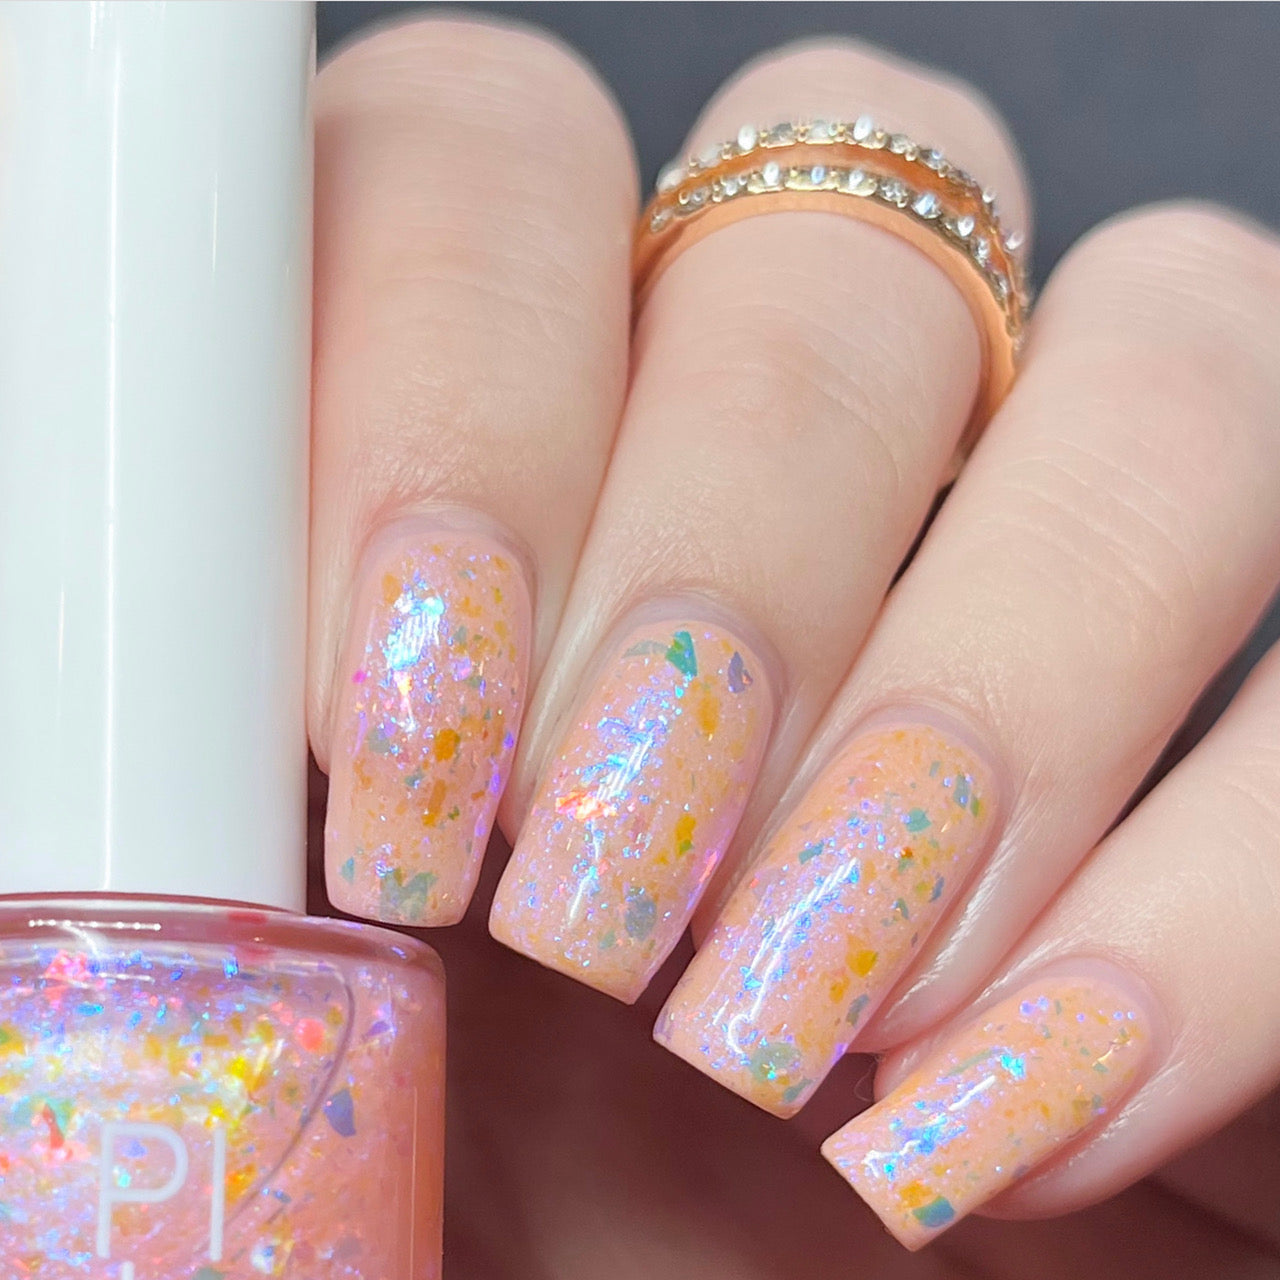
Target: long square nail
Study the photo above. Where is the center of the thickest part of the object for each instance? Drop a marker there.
(637, 806)
(1029, 1075)
(831, 915)
(428, 707)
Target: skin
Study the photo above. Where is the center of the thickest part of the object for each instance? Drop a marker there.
(1109, 545)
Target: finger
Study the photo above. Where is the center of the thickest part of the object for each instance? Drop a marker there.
(1171, 932)
(474, 203)
(815, 372)
(1110, 544)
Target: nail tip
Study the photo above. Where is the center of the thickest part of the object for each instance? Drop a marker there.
(350, 902)
(342, 899)
(625, 993)
(442, 919)
(909, 1240)
(730, 1082)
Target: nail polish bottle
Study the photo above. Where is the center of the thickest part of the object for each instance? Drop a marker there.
(197, 1082)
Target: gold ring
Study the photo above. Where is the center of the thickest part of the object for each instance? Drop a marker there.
(861, 170)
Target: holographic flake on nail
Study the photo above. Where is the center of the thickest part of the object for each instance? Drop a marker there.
(831, 915)
(425, 730)
(637, 807)
(171, 1110)
(1031, 1074)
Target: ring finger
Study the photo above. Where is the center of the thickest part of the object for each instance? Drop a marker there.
(1111, 542)
(800, 383)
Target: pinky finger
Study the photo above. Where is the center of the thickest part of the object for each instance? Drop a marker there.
(1141, 1013)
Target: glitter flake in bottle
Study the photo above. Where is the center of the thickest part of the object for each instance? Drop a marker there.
(188, 1092)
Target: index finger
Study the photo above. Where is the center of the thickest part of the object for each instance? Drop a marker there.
(474, 199)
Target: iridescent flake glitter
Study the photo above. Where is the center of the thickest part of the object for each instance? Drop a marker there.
(831, 915)
(1029, 1075)
(427, 717)
(637, 807)
(172, 1111)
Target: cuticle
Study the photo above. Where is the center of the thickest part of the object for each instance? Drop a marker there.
(1079, 965)
(448, 518)
(885, 713)
(700, 607)
(1076, 966)
(954, 723)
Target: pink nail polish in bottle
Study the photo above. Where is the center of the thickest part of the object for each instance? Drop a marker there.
(197, 1082)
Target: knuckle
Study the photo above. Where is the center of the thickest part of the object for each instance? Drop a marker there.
(1199, 225)
(1184, 268)
(473, 72)
(453, 282)
(774, 363)
(490, 106)
(1154, 405)
(1174, 311)
(1123, 560)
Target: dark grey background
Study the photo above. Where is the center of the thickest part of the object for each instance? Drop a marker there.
(1111, 104)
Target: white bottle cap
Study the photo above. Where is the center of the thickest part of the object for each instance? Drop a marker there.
(155, 207)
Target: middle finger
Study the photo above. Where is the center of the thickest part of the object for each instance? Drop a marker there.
(800, 382)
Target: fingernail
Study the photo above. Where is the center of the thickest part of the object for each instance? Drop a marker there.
(429, 705)
(637, 807)
(1029, 1075)
(829, 918)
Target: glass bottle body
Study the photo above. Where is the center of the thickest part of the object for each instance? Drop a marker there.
(195, 1091)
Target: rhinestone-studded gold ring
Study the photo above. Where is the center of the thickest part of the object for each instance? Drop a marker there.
(861, 170)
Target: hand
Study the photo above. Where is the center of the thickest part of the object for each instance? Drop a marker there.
(508, 529)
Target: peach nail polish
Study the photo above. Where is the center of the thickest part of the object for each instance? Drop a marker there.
(637, 807)
(1029, 1075)
(426, 720)
(829, 918)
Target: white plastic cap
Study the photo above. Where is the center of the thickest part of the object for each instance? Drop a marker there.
(155, 208)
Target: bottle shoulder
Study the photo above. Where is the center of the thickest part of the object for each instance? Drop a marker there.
(118, 919)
